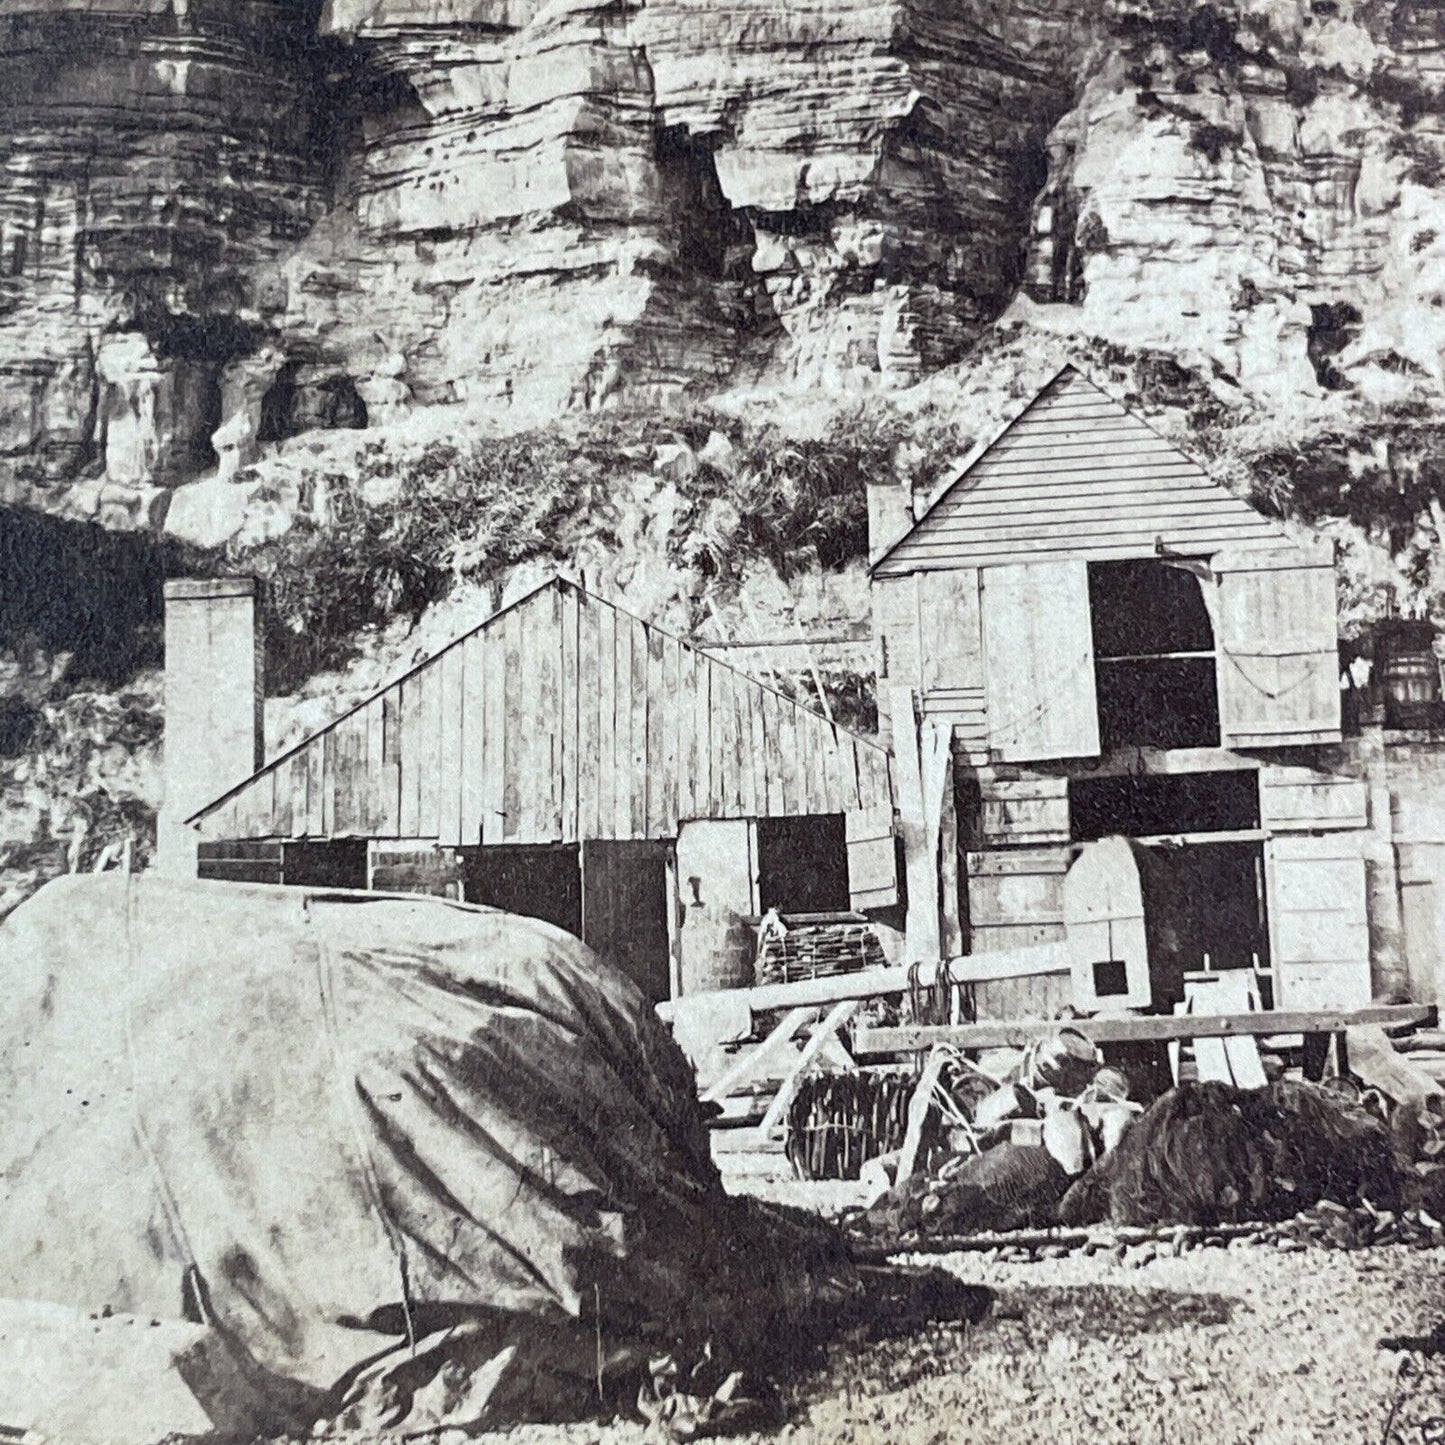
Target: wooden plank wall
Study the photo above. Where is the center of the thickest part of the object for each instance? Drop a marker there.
(1015, 900)
(562, 718)
(1075, 476)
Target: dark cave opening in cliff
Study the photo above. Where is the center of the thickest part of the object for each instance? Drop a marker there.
(291, 406)
(198, 348)
(1333, 325)
(710, 227)
(74, 587)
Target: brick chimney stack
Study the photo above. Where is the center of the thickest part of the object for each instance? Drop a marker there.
(215, 682)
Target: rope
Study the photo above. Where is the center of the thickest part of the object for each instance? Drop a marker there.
(1273, 694)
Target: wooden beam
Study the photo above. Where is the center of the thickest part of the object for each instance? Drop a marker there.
(1136, 1029)
(916, 777)
(748, 1063)
(1024, 962)
(837, 1017)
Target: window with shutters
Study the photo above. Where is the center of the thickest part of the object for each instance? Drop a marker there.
(1154, 656)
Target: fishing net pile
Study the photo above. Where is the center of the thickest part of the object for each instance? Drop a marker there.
(415, 1163)
(1059, 1142)
(1208, 1153)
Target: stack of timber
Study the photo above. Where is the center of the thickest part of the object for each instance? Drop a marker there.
(816, 946)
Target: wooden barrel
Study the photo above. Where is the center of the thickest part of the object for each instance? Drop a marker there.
(1408, 674)
(718, 949)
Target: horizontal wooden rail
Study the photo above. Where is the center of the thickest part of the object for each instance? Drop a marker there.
(1025, 962)
(1135, 1029)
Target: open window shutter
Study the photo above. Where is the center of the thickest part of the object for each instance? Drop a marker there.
(1275, 632)
(1039, 660)
(1320, 926)
(872, 858)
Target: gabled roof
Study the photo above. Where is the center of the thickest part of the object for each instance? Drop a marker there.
(1075, 474)
(560, 718)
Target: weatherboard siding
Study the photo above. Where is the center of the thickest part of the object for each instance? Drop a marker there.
(560, 719)
(1075, 476)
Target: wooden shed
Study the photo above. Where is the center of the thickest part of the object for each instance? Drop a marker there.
(569, 760)
(1118, 645)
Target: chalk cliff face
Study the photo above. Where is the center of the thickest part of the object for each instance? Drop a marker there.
(153, 158)
(227, 226)
(1257, 191)
(225, 223)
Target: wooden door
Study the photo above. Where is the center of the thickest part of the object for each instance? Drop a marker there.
(1015, 899)
(1039, 661)
(625, 911)
(1319, 921)
(1276, 636)
(1104, 919)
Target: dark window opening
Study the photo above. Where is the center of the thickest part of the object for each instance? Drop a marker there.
(1154, 664)
(1161, 804)
(536, 882)
(803, 864)
(1111, 978)
(239, 860)
(335, 863)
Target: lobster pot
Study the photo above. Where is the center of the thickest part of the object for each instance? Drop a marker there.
(837, 1122)
(718, 948)
(819, 948)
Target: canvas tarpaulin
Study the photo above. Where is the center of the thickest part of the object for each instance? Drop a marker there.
(334, 1125)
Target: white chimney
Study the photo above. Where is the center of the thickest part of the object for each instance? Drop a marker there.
(890, 515)
(215, 685)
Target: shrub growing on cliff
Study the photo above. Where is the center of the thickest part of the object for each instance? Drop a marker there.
(395, 537)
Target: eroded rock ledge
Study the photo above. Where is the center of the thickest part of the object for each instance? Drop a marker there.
(226, 223)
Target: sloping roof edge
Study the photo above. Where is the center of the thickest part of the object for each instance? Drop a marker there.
(560, 583)
(982, 450)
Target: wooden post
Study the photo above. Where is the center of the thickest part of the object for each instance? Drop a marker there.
(920, 841)
(948, 888)
(674, 929)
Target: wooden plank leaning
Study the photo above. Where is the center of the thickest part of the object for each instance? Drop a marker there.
(837, 1017)
(749, 1064)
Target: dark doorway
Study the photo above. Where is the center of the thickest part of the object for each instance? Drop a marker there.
(1204, 907)
(334, 863)
(1145, 806)
(1153, 657)
(803, 864)
(537, 882)
(624, 911)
